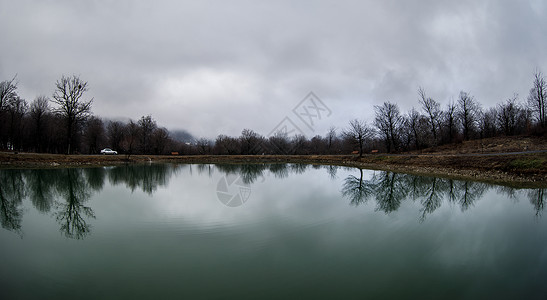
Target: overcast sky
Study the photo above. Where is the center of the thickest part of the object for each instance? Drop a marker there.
(217, 67)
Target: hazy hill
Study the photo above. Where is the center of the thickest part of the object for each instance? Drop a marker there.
(182, 136)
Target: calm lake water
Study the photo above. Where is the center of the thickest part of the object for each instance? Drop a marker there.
(266, 231)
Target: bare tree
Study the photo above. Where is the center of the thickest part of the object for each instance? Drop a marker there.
(279, 143)
(160, 140)
(357, 132)
(131, 136)
(7, 91)
(318, 145)
(147, 125)
(250, 141)
(16, 108)
(487, 123)
(389, 120)
(451, 121)
(433, 111)
(115, 134)
(94, 135)
(406, 136)
(39, 109)
(71, 106)
(299, 144)
(227, 145)
(538, 99)
(331, 139)
(204, 146)
(415, 120)
(508, 116)
(468, 113)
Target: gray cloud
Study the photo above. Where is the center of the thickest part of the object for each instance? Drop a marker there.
(216, 67)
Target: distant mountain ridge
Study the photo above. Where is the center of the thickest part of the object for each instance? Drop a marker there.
(183, 136)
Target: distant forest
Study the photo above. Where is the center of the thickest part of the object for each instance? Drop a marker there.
(64, 123)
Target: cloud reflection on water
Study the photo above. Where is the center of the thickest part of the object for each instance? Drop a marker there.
(65, 192)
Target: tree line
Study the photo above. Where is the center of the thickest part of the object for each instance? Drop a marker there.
(65, 123)
(464, 119)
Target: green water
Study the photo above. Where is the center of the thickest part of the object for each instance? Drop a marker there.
(266, 231)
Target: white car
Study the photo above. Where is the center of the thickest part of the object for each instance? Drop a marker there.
(106, 151)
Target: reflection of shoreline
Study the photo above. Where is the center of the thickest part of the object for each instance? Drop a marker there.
(64, 192)
(390, 189)
(67, 190)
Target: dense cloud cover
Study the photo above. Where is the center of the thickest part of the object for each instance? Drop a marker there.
(216, 67)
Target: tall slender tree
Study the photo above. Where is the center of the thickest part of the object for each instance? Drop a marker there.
(413, 121)
(39, 110)
(538, 99)
(147, 125)
(468, 113)
(451, 121)
(331, 139)
(432, 110)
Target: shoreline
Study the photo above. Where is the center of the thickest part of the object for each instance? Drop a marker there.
(525, 169)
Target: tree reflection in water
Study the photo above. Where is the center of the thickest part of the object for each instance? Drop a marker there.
(248, 173)
(469, 192)
(357, 190)
(12, 193)
(391, 189)
(95, 177)
(68, 190)
(431, 196)
(71, 213)
(428, 191)
(279, 170)
(208, 168)
(146, 177)
(537, 198)
(40, 185)
(331, 170)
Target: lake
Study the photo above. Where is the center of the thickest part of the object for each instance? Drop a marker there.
(164, 231)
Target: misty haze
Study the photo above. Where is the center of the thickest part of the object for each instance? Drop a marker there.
(273, 149)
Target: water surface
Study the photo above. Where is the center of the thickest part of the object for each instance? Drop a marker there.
(266, 231)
